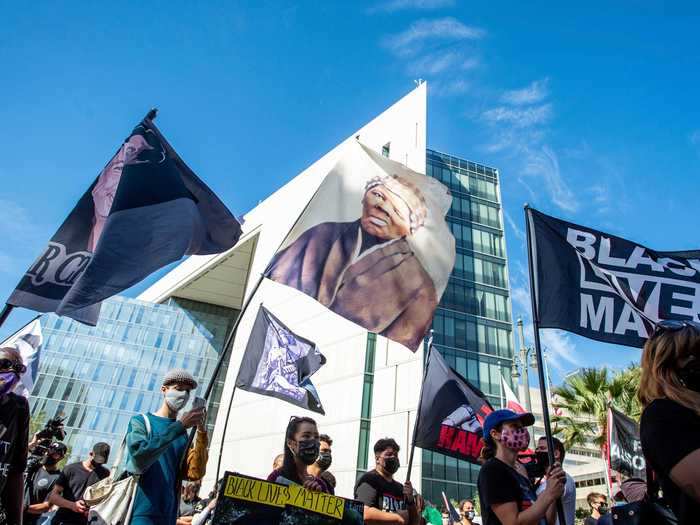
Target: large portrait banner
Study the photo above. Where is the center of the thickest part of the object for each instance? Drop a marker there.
(372, 246)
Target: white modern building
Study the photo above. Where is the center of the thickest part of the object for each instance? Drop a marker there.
(370, 385)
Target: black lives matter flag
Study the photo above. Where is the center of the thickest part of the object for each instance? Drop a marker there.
(451, 412)
(625, 445)
(608, 288)
(145, 210)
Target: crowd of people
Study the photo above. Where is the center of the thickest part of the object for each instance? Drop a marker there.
(510, 492)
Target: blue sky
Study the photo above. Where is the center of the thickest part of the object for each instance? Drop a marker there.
(591, 114)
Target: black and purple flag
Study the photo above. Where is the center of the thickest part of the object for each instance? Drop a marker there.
(605, 287)
(451, 412)
(146, 209)
(279, 363)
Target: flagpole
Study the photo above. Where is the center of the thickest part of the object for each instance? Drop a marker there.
(538, 352)
(228, 345)
(5, 313)
(420, 402)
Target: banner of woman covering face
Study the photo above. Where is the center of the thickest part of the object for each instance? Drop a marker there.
(372, 246)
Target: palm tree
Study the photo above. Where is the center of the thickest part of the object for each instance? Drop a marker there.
(583, 400)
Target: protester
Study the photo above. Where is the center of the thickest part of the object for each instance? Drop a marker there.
(431, 514)
(386, 500)
(42, 484)
(507, 496)
(669, 390)
(599, 506)
(157, 450)
(68, 490)
(467, 512)
(190, 498)
(568, 499)
(325, 457)
(14, 436)
(277, 462)
(301, 447)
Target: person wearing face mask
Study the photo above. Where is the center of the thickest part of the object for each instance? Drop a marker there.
(67, 492)
(158, 452)
(669, 390)
(325, 456)
(385, 499)
(568, 499)
(37, 502)
(467, 511)
(599, 507)
(507, 497)
(301, 449)
(14, 437)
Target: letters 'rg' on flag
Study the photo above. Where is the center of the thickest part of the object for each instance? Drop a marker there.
(145, 210)
(279, 363)
(451, 412)
(605, 287)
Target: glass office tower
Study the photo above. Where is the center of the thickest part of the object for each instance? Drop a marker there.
(472, 325)
(98, 377)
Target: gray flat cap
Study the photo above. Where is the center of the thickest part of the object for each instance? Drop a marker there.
(179, 376)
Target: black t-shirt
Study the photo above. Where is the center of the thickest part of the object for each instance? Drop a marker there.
(43, 483)
(74, 479)
(500, 483)
(670, 432)
(590, 520)
(375, 491)
(14, 436)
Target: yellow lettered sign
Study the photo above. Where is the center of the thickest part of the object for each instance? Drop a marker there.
(319, 502)
(257, 491)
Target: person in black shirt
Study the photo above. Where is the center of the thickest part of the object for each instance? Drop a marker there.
(669, 390)
(386, 500)
(507, 497)
(599, 506)
(70, 486)
(14, 437)
(42, 484)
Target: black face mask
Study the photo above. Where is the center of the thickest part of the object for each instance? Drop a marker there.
(690, 375)
(95, 464)
(603, 509)
(307, 451)
(49, 461)
(324, 460)
(537, 465)
(391, 465)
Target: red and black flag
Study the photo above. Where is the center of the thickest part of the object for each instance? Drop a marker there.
(145, 209)
(451, 412)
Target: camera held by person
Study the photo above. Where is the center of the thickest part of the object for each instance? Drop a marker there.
(42, 444)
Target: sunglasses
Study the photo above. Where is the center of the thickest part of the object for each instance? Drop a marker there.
(9, 364)
(673, 325)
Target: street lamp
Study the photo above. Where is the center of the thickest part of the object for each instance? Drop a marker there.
(525, 363)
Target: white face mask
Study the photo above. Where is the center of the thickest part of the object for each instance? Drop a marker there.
(176, 399)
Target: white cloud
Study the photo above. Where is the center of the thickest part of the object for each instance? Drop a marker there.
(400, 5)
(560, 350)
(519, 117)
(411, 41)
(470, 63)
(434, 64)
(534, 93)
(520, 234)
(521, 300)
(544, 164)
(449, 88)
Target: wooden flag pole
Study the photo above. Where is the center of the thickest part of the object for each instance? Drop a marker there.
(5, 313)
(409, 467)
(531, 253)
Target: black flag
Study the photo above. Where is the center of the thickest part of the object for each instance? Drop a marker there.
(608, 288)
(625, 445)
(279, 363)
(145, 210)
(451, 412)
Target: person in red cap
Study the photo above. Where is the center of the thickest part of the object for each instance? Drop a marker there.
(506, 496)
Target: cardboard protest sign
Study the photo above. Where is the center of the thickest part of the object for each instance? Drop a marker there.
(245, 500)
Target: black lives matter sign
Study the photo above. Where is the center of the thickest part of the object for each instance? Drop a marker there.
(608, 288)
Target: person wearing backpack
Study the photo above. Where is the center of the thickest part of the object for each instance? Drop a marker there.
(156, 450)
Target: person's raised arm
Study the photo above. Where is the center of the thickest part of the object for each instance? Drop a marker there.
(686, 474)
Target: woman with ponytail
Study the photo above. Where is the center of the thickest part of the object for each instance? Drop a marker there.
(301, 447)
(507, 497)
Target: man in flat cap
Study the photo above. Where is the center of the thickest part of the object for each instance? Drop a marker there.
(156, 444)
(365, 270)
